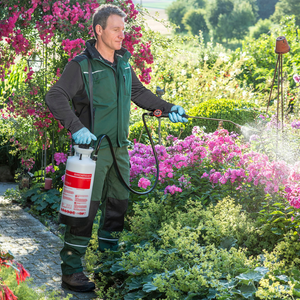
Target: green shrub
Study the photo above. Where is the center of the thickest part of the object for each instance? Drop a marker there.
(191, 252)
(44, 202)
(261, 27)
(138, 131)
(239, 112)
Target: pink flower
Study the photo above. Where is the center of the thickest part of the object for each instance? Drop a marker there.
(204, 175)
(49, 169)
(144, 183)
(60, 158)
(296, 78)
(172, 189)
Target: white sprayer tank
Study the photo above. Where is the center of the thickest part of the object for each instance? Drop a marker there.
(78, 185)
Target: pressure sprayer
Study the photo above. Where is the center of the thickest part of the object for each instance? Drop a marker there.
(80, 172)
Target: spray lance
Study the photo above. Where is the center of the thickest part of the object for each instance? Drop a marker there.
(80, 172)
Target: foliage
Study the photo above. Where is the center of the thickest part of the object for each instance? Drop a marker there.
(194, 21)
(164, 256)
(138, 133)
(286, 8)
(190, 77)
(14, 81)
(230, 19)
(176, 12)
(45, 202)
(260, 59)
(261, 27)
(217, 8)
(266, 8)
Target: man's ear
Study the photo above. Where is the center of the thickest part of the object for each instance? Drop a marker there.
(98, 29)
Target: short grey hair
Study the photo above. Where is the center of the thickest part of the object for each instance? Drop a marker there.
(103, 12)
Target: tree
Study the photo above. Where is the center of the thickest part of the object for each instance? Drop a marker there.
(287, 8)
(176, 12)
(215, 9)
(231, 19)
(199, 3)
(194, 20)
(266, 8)
(242, 17)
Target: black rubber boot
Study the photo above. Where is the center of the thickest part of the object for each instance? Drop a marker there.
(77, 282)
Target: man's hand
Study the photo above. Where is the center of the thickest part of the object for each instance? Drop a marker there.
(176, 114)
(83, 136)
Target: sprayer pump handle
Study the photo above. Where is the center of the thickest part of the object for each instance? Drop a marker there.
(84, 146)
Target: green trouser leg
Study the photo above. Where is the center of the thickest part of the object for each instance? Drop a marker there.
(114, 203)
(72, 252)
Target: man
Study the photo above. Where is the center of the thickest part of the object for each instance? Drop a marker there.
(114, 85)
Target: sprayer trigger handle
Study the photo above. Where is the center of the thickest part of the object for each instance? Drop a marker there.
(157, 113)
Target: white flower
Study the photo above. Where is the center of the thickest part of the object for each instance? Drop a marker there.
(223, 57)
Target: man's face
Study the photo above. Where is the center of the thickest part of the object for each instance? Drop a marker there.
(113, 35)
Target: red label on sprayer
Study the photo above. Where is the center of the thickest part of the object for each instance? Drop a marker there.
(78, 180)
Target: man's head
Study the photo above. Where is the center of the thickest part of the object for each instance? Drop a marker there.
(102, 13)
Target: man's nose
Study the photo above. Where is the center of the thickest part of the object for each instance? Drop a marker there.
(122, 35)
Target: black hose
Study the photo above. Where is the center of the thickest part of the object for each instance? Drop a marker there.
(104, 136)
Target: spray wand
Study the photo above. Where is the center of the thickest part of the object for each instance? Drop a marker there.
(159, 114)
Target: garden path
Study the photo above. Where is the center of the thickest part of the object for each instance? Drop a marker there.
(33, 245)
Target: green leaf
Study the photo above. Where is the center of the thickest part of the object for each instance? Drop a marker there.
(228, 243)
(41, 205)
(250, 276)
(116, 268)
(135, 271)
(35, 197)
(135, 295)
(134, 284)
(212, 294)
(262, 270)
(283, 278)
(149, 287)
(277, 212)
(248, 291)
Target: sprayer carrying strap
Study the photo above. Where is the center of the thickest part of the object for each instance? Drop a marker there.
(91, 96)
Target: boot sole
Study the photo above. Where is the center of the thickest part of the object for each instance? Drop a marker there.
(64, 285)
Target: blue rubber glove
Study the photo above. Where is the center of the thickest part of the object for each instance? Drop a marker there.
(176, 114)
(83, 136)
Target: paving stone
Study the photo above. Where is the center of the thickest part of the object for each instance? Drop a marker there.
(33, 245)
